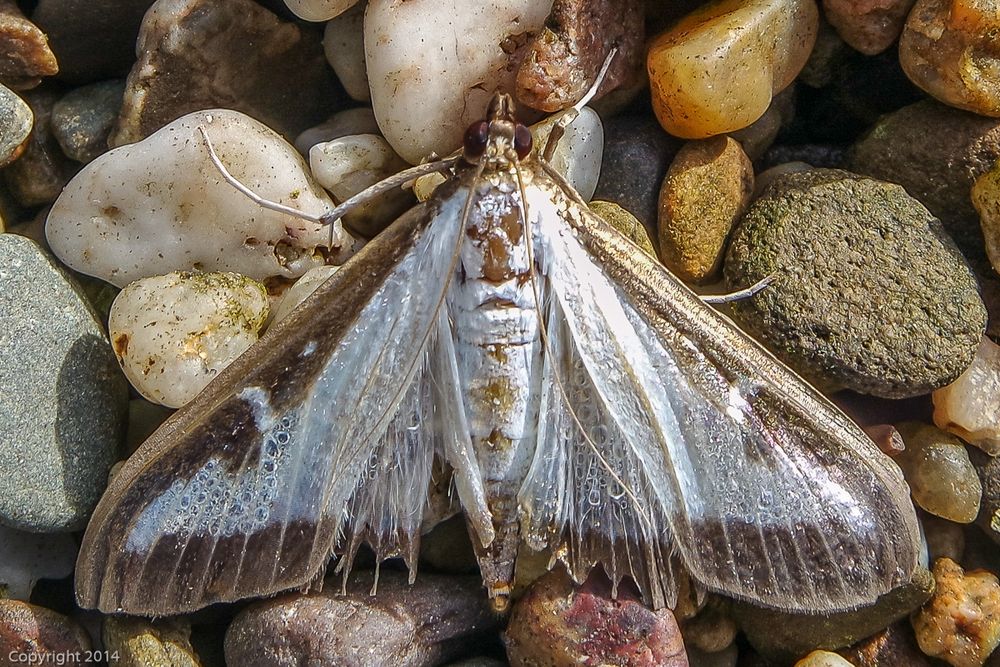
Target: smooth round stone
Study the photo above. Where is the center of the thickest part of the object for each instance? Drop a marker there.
(945, 539)
(39, 174)
(706, 190)
(64, 399)
(822, 659)
(895, 646)
(82, 119)
(204, 54)
(938, 173)
(937, 468)
(426, 623)
(319, 10)
(27, 557)
(161, 205)
(559, 624)
(757, 137)
(360, 120)
(25, 56)
(427, 85)
(173, 334)
(31, 635)
(347, 165)
(579, 153)
(717, 69)
(961, 623)
(949, 49)
(988, 469)
(868, 26)
(968, 406)
(136, 641)
(986, 200)
(302, 288)
(344, 46)
(870, 293)
(711, 630)
(16, 120)
(624, 222)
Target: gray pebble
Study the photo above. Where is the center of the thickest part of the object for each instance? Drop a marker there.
(870, 294)
(82, 119)
(38, 176)
(15, 125)
(64, 398)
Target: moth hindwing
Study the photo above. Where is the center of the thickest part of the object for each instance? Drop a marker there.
(587, 402)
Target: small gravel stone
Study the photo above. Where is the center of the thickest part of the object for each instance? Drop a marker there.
(893, 647)
(558, 624)
(302, 288)
(961, 623)
(344, 47)
(871, 293)
(945, 539)
(42, 170)
(562, 61)
(142, 643)
(27, 557)
(937, 468)
(25, 56)
(579, 153)
(32, 635)
(404, 625)
(949, 49)
(938, 173)
(173, 334)
(360, 120)
(988, 469)
(869, 26)
(319, 10)
(757, 137)
(711, 630)
(727, 657)
(756, 48)
(625, 222)
(447, 548)
(16, 121)
(823, 659)
(706, 190)
(200, 54)
(82, 119)
(967, 406)
(986, 199)
(64, 419)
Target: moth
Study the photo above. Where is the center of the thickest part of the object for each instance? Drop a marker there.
(585, 400)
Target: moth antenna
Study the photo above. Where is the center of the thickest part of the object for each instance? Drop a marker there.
(374, 590)
(570, 114)
(738, 295)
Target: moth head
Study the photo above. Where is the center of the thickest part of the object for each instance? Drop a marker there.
(499, 139)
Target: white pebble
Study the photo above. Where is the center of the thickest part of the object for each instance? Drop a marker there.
(344, 46)
(27, 557)
(161, 205)
(823, 659)
(359, 120)
(579, 152)
(970, 406)
(172, 334)
(302, 288)
(433, 65)
(319, 10)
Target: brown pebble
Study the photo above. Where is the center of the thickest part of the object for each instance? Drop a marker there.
(869, 26)
(893, 647)
(30, 634)
(25, 56)
(706, 189)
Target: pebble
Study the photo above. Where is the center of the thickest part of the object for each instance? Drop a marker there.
(16, 121)
(727, 657)
(559, 624)
(64, 399)
(161, 205)
(201, 54)
(711, 630)
(637, 154)
(142, 643)
(344, 47)
(42, 170)
(173, 334)
(937, 468)
(706, 190)
(986, 200)
(447, 548)
(870, 294)
(27, 557)
(25, 56)
(360, 120)
(893, 647)
(949, 49)
(782, 637)
(32, 635)
(347, 165)
(578, 155)
(937, 173)
(823, 659)
(988, 469)
(92, 39)
(82, 119)
(426, 623)
(302, 288)
(868, 26)
(757, 137)
(945, 539)
(425, 98)
(717, 69)
(626, 223)
(319, 10)
(563, 60)
(961, 623)
(968, 406)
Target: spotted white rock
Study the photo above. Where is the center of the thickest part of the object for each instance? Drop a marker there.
(172, 334)
(344, 46)
(969, 407)
(161, 205)
(433, 65)
(319, 10)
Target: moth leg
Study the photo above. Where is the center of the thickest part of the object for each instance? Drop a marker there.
(739, 295)
(570, 114)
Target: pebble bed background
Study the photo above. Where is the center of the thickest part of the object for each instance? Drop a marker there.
(853, 149)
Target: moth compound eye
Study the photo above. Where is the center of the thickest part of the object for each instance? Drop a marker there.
(522, 141)
(475, 139)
